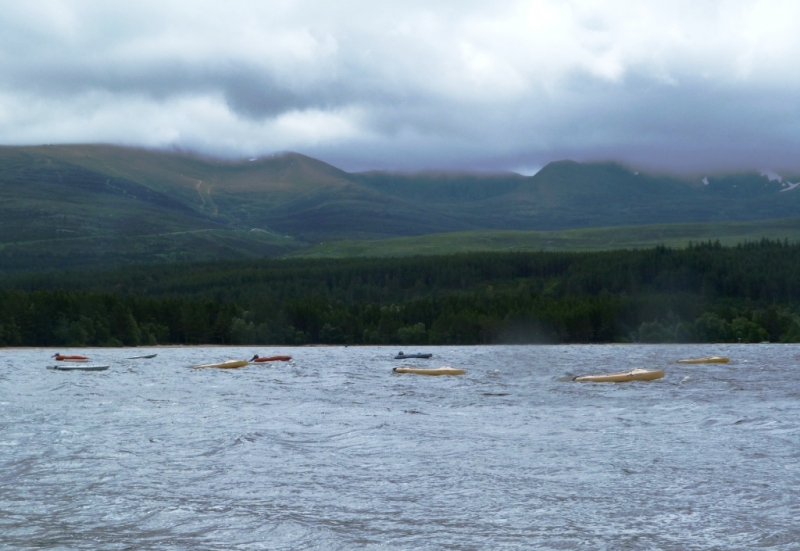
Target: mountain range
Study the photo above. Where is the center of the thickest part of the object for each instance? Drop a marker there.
(75, 205)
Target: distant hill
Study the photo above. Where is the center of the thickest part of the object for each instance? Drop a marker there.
(44, 197)
(88, 204)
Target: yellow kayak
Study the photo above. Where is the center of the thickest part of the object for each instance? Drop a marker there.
(623, 377)
(445, 370)
(230, 364)
(711, 360)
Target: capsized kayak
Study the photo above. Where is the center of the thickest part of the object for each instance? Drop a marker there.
(444, 370)
(64, 367)
(711, 360)
(622, 377)
(402, 356)
(259, 359)
(75, 358)
(147, 357)
(229, 364)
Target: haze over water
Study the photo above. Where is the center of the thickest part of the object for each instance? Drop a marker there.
(333, 451)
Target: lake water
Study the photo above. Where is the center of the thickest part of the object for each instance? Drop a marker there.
(333, 451)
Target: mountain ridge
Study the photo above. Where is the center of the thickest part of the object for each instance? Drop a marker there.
(84, 191)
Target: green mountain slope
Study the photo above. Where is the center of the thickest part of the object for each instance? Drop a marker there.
(58, 213)
(292, 193)
(567, 194)
(42, 197)
(286, 193)
(99, 203)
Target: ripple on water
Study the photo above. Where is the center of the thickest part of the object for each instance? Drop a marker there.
(333, 451)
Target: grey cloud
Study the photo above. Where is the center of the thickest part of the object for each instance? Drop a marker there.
(251, 91)
(422, 91)
(689, 128)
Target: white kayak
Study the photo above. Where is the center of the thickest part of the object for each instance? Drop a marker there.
(444, 370)
(147, 357)
(622, 377)
(710, 360)
(78, 367)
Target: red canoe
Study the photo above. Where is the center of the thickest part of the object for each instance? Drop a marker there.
(61, 358)
(272, 359)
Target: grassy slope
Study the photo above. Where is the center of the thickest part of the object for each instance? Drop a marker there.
(292, 193)
(118, 250)
(64, 207)
(288, 193)
(44, 198)
(592, 239)
(87, 204)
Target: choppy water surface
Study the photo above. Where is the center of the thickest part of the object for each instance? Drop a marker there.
(332, 451)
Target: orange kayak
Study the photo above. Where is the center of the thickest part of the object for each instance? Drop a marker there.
(230, 364)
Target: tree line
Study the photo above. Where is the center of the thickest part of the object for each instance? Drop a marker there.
(704, 293)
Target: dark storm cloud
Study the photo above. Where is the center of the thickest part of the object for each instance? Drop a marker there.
(507, 85)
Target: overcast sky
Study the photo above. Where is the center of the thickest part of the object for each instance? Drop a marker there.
(407, 84)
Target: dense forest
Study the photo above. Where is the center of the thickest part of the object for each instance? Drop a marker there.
(704, 293)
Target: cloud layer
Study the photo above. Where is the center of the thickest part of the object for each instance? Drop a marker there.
(502, 85)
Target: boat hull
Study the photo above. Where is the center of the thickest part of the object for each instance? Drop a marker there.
(273, 359)
(230, 364)
(147, 357)
(413, 356)
(67, 367)
(622, 377)
(711, 360)
(446, 370)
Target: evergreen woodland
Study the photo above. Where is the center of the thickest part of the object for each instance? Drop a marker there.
(704, 293)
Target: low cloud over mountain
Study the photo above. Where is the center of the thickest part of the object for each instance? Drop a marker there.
(506, 85)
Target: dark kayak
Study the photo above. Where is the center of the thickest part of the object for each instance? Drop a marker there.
(258, 358)
(78, 367)
(402, 356)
